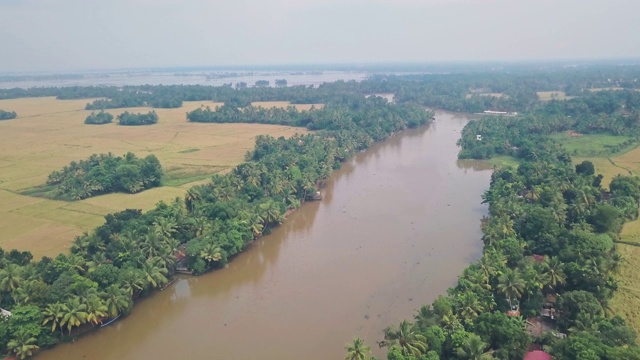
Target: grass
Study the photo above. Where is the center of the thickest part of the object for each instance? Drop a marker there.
(592, 145)
(50, 133)
(549, 95)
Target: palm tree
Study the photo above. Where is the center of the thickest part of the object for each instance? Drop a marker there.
(97, 259)
(77, 262)
(477, 280)
(155, 273)
(553, 272)
(96, 310)
(164, 227)
(487, 269)
(10, 278)
(191, 198)
(450, 322)
(407, 338)
(133, 281)
(615, 262)
(270, 212)
(510, 284)
(80, 245)
(469, 306)
(23, 295)
(117, 300)
(474, 349)
(211, 252)
(74, 314)
(150, 244)
(200, 225)
(357, 350)
(167, 255)
(533, 194)
(424, 317)
(23, 344)
(53, 314)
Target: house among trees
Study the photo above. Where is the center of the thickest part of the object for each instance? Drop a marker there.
(4, 313)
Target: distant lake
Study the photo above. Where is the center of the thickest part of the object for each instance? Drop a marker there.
(213, 78)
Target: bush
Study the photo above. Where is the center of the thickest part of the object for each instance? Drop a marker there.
(130, 119)
(99, 118)
(7, 115)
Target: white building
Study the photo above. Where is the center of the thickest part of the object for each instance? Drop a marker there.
(4, 313)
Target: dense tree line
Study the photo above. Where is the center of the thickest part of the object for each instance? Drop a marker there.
(7, 115)
(99, 118)
(355, 114)
(130, 119)
(106, 173)
(457, 89)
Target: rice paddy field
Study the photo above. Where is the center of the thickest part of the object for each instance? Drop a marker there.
(50, 133)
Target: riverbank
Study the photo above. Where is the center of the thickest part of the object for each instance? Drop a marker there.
(349, 264)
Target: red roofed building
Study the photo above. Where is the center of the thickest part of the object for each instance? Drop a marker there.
(537, 355)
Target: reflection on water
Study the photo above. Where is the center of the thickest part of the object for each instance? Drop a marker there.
(397, 224)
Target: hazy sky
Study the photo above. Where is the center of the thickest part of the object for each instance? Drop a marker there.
(44, 35)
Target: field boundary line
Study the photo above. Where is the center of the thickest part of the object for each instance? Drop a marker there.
(619, 166)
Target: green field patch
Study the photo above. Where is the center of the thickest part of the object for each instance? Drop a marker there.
(45, 191)
(145, 200)
(179, 176)
(595, 145)
(55, 211)
(179, 181)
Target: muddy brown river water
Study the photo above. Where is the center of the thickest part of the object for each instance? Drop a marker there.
(397, 225)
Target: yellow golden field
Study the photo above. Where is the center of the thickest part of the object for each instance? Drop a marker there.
(50, 133)
(605, 167)
(626, 299)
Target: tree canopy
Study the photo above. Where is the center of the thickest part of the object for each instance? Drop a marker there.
(7, 115)
(106, 173)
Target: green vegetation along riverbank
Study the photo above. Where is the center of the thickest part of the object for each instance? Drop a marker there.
(135, 253)
(548, 272)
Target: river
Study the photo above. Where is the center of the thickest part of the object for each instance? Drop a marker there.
(397, 225)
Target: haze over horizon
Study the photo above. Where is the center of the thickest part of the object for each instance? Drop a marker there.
(68, 35)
